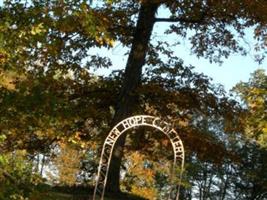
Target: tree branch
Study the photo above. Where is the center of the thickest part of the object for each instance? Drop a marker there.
(197, 19)
(8, 176)
(181, 19)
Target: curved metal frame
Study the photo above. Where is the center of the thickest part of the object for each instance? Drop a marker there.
(118, 130)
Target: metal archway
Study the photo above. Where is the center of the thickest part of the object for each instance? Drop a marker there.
(118, 130)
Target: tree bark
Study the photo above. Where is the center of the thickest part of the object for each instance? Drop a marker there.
(128, 99)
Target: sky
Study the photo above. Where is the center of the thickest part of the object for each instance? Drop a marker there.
(234, 69)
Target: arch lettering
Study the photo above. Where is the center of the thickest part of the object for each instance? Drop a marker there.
(122, 127)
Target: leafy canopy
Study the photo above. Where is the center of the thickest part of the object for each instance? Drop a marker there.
(254, 96)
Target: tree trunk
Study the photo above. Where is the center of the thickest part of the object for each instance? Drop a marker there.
(128, 100)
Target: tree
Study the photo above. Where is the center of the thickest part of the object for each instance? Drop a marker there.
(209, 20)
(253, 94)
(252, 173)
(49, 43)
(68, 164)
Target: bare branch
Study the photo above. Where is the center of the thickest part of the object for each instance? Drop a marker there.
(181, 19)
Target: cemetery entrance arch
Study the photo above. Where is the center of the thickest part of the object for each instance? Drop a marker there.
(122, 127)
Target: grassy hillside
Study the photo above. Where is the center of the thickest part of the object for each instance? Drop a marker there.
(76, 193)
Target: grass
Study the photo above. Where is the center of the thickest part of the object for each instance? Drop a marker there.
(46, 192)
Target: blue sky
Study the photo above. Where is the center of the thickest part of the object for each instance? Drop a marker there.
(234, 69)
